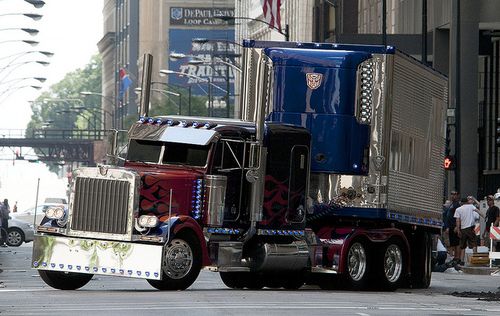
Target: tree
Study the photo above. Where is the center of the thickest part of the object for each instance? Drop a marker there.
(56, 114)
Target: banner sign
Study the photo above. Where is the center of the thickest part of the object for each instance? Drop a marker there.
(199, 16)
(212, 56)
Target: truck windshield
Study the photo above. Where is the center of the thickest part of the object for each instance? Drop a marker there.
(171, 153)
(144, 150)
(185, 154)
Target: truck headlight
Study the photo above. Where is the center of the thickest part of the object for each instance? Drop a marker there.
(55, 212)
(148, 221)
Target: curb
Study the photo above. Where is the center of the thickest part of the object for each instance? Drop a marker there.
(480, 270)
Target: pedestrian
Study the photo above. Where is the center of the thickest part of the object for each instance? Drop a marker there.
(492, 218)
(4, 215)
(453, 239)
(466, 217)
(14, 208)
(444, 233)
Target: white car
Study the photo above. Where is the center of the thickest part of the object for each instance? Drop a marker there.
(29, 214)
(19, 232)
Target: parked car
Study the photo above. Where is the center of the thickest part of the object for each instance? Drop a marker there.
(56, 200)
(18, 232)
(28, 215)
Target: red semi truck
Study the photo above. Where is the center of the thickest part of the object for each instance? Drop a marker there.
(333, 175)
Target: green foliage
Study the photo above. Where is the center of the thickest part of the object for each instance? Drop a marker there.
(61, 114)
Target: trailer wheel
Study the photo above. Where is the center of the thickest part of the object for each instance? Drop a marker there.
(391, 265)
(357, 265)
(421, 260)
(181, 264)
(64, 280)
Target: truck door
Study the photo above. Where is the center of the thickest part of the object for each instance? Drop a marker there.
(298, 183)
(231, 156)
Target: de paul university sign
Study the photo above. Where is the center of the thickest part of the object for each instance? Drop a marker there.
(198, 16)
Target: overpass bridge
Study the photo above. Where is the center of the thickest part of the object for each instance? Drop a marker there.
(57, 144)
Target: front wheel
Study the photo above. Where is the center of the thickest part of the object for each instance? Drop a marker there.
(15, 237)
(64, 280)
(181, 264)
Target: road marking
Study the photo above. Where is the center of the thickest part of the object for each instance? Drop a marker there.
(226, 306)
(25, 290)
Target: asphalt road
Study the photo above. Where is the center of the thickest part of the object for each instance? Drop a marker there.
(22, 292)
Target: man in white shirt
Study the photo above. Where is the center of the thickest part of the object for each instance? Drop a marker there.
(466, 216)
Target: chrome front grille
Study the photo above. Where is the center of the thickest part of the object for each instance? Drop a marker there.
(100, 205)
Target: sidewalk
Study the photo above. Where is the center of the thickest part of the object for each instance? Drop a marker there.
(493, 271)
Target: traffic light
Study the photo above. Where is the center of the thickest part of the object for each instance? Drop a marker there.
(449, 162)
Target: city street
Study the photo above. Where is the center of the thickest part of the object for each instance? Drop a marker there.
(22, 292)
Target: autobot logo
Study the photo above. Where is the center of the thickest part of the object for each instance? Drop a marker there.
(103, 170)
(176, 13)
(314, 80)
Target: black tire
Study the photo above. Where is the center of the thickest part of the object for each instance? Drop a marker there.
(15, 237)
(358, 263)
(233, 280)
(254, 281)
(330, 282)
(181, 264)
(293, 281)
(391, 265)
(65, 280)
(241, 280)
(421, 260)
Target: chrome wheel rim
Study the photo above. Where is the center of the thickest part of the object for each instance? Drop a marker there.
(393, 263)
(356, 262)
(14, 238)
(178, 259)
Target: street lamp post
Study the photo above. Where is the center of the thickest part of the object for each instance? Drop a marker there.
(65, 101)
(16, 56)
(208, 81)
(78, 113)
(13, 66)
(235, 66)
(36, 3)
(15, 88)
(95, 110)
(285, 33)
(196, 60)
(17, 80)
(30, 42)
(103, 108)
(30, 31)
(188, 88)
(166, 93)
(32, 16)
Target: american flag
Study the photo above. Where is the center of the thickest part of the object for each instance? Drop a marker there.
(271, 9)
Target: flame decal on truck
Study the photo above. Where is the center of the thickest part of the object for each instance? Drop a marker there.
(276, 205)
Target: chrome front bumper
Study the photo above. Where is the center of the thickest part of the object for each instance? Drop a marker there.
(84, 255)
